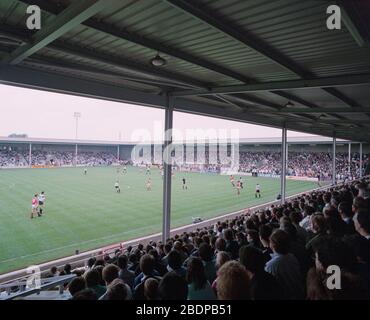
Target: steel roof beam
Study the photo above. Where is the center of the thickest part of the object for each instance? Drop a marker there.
(68, 19)
(348, 80)
(349, 22)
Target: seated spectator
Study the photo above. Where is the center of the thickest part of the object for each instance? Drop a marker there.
(198, 286)
(93, 281)
(173, 287)
(147, 264)
(117, 290)
(206, 254)
(85, 294)
(110, 273)
(346, 214)
(126, 275)
(284, 266)
(175, 263)
(231, 244)
(362, 222)
(319, 228)
(221, 258)
(158, 266)
(151, 289)
(233, 282)
(53, 272)
(265, 232)
(263, 285)
(76, 285)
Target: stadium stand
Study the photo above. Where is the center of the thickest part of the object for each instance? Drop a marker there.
(273, 63)
(278, 253)
(306, 164)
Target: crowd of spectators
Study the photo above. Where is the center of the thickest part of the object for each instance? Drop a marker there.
(286, 251)
(10, 158)
(304, 164)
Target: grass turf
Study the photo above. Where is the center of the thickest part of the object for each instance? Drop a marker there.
(84, 212)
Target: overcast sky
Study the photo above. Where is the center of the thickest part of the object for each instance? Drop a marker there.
(41, 114)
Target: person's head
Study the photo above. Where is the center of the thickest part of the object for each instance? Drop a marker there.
(265, 232)
(122, 261)
(233, 282)
(290, 229)
(318, 223)
(151, 289)
(85, 294)
(173, 287)
(253, 237)
(195, 273)
(67, 268)
(345, 210)
(116, 290)
(221, 258)
(92, 278)
(76, 285)
(110, 272)
(53, 270)
(174, 260)
(220, 244)
(90, 263)
(228, 234)
(358, 203)
(205, 252)
(362, 222)
(295, 217)
(252, 259)
(280, 242)
(147, 264)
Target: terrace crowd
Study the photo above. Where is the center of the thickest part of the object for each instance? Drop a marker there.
(283, 252)
(307, 164)
(10, 158)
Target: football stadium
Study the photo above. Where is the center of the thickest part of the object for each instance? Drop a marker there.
(184, 150)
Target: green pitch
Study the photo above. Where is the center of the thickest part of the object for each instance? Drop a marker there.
(84, 211)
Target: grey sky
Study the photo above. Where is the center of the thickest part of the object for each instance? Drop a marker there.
(42, 114)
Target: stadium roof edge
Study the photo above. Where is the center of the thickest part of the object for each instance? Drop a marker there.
(246, 141)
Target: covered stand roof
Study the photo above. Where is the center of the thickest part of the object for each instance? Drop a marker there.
(269, 62)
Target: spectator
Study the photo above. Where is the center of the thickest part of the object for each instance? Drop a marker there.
(198, 286)
(76, 285)
(173, 287)
(124, 273)
(284, 266)
(233, 282)
(263, 285)
(93, 281)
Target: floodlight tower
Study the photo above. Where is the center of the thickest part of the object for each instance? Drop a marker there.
(77, 115)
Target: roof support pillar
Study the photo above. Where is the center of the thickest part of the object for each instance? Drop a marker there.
(167, 167)
(334, 172)
(283, 163)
